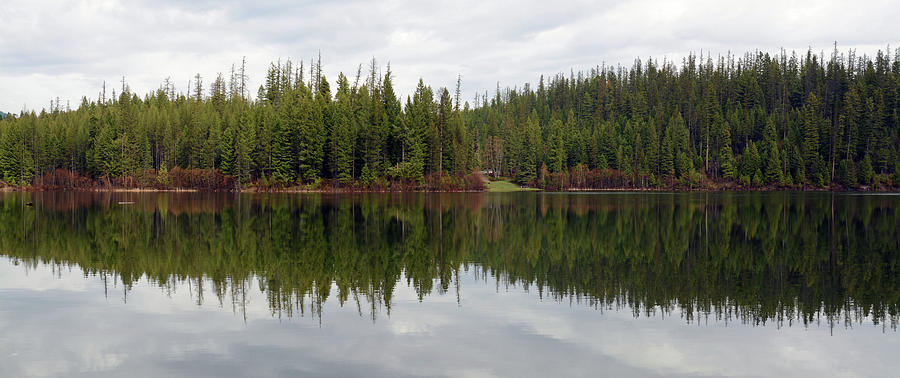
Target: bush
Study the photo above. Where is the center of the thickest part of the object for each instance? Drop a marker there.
(199, 179)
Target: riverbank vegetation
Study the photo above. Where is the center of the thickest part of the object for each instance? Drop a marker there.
(757, 121)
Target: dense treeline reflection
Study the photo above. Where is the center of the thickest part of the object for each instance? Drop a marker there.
(757, 258)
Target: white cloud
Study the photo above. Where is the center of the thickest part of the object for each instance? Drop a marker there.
(67, 49)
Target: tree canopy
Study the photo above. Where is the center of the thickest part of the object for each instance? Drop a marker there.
(753, 120)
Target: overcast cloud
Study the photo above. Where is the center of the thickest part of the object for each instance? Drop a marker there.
(68, 48)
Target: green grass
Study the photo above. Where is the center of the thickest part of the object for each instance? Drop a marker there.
(505, 186)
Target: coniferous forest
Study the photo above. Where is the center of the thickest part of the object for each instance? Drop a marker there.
(759, 120)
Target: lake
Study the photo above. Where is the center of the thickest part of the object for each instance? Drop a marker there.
(458, 284)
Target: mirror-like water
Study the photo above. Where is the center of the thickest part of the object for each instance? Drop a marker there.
(533, 284)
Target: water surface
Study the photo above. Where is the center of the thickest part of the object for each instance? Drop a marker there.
(517, 284)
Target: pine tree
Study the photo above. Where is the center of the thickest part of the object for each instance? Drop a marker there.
(343, 138)
(312, 141)
(556, 155)
(666, 155)
(286, 138)
(847, 174)
(527, 171)
(209, 151)
(681, 137)
(393, 115)
(883, 155)
(246, 139)
(16, 162)
(227, 152)
(442, 131)
(811, 121)
(651, 148)
(609, 145)
(772, 155)
(750, 163)
(726, 158)
(418, 135)
(866, 172)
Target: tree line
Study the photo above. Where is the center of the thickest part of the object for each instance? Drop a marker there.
(757, 120)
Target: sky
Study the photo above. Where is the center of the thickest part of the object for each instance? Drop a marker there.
(67, 49)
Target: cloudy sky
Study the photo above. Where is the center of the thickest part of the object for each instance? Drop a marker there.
(68, 48)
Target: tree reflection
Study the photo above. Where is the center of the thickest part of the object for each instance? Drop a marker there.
(756, 258)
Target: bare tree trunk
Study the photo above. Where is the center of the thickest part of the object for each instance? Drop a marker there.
(708, 131)
(243, 76)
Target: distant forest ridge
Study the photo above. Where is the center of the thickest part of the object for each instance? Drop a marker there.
(753, 121)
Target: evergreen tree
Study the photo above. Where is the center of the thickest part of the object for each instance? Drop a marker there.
(729, 168)
(666, 155)
(811, 122)
(527, 171)
(866, 172)
(750, 167)
(847, 174)
(343, 138)
(246, 140)
(772, 155)
(227, 152)
(557, 154)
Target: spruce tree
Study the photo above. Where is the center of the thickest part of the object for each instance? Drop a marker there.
(527, 171)
(557, 153)
(772, 155)
(847, 174)
(866, 172)
(811, 121)
(726, 158)
(666, 155)
(343, 139)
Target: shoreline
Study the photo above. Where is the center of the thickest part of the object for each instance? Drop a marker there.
(299, 190)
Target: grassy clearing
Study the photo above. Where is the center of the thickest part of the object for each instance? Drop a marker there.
(505, 186)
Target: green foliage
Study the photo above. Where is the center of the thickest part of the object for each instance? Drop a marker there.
(771, 155)
(750, 164)
(227, 152)
(895, 178)
(367, 176)
(162, 176)
(649, 123)
(16, 159)
(243, 154)
(729, 167)
(759, 258)
(556, 156)
(343, 139)
(847, 174)
(667, 155)
(866, 173)
(528, 165)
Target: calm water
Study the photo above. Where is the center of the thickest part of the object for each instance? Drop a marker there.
(519, 284)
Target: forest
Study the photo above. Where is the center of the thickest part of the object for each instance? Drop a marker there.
(756, 121)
